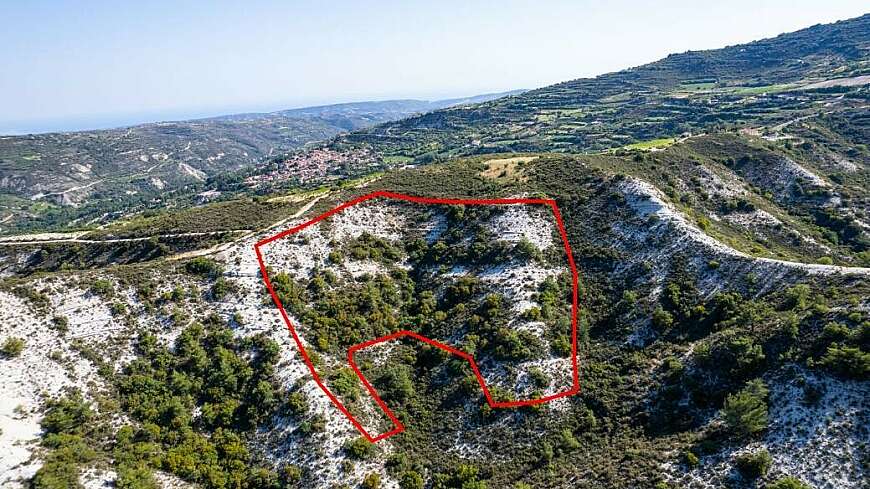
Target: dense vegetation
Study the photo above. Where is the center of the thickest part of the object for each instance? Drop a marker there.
(194, 406)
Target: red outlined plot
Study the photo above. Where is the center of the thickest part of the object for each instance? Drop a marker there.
(398, 427)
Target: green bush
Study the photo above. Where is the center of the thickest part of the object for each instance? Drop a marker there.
(372, 481)
(135, 477)
(359, 448)
(346, 383)
(661, 319)
(297, 403)
(461, 477)
(12, 347)
(847, 361)
(411, 480)
(753, 465)
(394, 384)
(836, 332)
(56, 476)
(66, 424)
(205, 267)
(796, 297)
(103, 288)
(223, 287)
(292, 474)
(61, 323)
(526, 250)
(691, 459)
(745, 412)
(788, 483)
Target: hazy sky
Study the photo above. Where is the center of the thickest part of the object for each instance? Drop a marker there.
(80, 64)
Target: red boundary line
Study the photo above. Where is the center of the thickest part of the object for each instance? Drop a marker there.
(575, 387)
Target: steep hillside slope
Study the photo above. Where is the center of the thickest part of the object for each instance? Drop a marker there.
(674, 320)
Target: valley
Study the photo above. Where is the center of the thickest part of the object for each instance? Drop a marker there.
(717, 212)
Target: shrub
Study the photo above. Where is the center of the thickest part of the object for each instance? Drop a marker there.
(61, 323)
(753, 465)
(568, 440)
(297, 403)
(56, 476)
(788, 483)
(411, 480)
(12, 347)
(745, 412)
(292, 474)
(691, 459)
(561, 346)
(796, 297)
(661, 319)
(532, 314)
(462, 476)
(229, 379)
(747, 355)
(205, 267)
(222, 287)
(836, 331)
(66, 421)
(394, 384)
(372, 481)
(526, 250)
(847, 361)
(103, 288)
(66, 415)
(346, 383)
(135, 477)
(359, 448)
(538, 377)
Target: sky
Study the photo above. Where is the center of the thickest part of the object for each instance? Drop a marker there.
(70, 65)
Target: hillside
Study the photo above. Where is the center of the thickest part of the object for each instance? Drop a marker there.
(52, 179)
(717, 208)
(688, 92)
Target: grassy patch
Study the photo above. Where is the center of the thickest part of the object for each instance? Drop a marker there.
(506, 169)
(652, 144)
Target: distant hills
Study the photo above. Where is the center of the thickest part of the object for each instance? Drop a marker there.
(43, 176)
(686, 92)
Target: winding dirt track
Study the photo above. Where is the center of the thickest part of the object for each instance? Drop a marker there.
(76, 237)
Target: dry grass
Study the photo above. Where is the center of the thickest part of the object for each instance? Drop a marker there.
(506, 169)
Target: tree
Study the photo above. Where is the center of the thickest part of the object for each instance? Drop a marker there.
(395, 384)
(745, 412)
(661, 319)
(847, 361)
